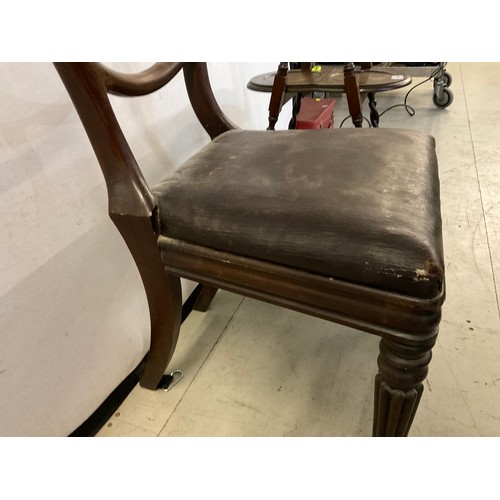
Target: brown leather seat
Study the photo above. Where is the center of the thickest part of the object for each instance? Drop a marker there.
(365, 210)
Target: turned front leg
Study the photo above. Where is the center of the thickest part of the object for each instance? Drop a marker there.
(403, 366)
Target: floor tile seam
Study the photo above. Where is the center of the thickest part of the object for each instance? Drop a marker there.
(461, 392)
(133, 423)
(125, 421)
(478, 179)
(488, 243)
(224, 330)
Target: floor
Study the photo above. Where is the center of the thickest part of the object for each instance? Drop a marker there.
(252, 369)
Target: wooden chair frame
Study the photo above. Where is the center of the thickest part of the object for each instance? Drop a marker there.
(408, 326)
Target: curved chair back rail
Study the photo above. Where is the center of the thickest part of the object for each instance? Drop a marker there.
(324, 222)
(137, 84)
(88, 85)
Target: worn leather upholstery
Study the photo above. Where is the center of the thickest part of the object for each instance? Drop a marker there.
(360, 205)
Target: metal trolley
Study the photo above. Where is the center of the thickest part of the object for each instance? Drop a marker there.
(442, 96)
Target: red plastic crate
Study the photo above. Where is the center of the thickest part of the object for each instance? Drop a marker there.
(315, 113)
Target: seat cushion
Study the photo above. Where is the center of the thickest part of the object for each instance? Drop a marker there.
(360, 205)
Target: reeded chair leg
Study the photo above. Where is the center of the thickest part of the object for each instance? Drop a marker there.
(403, 366)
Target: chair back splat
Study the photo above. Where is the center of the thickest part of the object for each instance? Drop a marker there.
(324, 222)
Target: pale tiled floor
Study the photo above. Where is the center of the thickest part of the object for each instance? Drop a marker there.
(251, 369)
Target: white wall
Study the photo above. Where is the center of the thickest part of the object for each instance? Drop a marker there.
(73, 315)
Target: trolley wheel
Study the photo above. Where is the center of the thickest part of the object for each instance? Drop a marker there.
(445, 100)
(447, 79)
